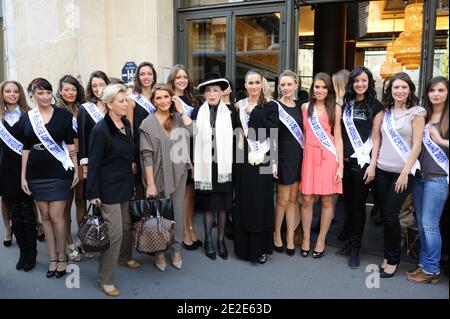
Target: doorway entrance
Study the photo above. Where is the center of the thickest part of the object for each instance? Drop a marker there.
(231, 41)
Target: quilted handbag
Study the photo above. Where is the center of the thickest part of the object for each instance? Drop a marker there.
(154, 233)
(92, 231)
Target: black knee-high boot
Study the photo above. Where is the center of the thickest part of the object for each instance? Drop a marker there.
(208, 221)
(222, 248)
(13, 204)
(30, 231)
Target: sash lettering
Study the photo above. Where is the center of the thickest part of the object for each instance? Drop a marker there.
(321, 135)
(435, 151)
(362, 150)
(61, 154)
(257, 149)
(144, 103)
(291, 124)
(187, 108)
(400, 146)
(10, 140)
(93, 111)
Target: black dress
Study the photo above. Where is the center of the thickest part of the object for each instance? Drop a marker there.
(46, 176)
(190, 179)
(10, 165)
(253, 214)
(290, 153)
(220, 197)
(140, 114)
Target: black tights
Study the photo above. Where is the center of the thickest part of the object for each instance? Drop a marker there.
(208, 221)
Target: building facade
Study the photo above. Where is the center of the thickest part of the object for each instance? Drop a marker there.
(51, 38)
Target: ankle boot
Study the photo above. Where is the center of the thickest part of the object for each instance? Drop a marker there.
(223, 252)
(353, 261)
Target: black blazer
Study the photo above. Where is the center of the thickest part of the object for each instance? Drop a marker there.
(110, 176)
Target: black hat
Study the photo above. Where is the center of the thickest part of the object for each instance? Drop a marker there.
(213, 79)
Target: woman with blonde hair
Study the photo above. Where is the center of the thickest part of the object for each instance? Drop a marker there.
(110, 184)
(340, 79)
(290, 155)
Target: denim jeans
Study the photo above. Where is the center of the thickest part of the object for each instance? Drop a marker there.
(429, 196)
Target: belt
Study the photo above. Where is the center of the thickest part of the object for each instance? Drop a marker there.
(39, 147)
(428, 176)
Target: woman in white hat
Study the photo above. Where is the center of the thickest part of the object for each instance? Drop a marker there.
(213, 158)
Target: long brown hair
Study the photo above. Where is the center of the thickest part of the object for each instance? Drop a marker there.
(261, 100)
(168, 124)
(90, 96)
(330, 100)
(189, 90)
(412, 99)
(22, 100)
(137, 82)
(443, 122)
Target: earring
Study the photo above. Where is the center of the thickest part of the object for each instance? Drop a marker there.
(314, 96)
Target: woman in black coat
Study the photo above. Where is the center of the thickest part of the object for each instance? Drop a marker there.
(110, 183)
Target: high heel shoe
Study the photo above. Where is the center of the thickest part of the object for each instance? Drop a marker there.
(192, 246)
(61, 273)
(161, 265)
(278, 249)
(262, 259)
(318, 254)
(209, 250)
(222, 247)
(7, 243)
(384, 274)
(50, 272)
(290, 251)
(176, 264)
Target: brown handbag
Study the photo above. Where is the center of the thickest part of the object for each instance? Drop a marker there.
(154, 233)
(92, 231)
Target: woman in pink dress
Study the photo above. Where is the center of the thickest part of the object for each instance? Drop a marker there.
(322, 168)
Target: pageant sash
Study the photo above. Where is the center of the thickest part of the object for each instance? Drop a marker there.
(401, 147)
(321, 135)
(93, 111)
(61, 154)
(362, 150)
(144, 103)
(10, 140)
(435, 151)
(291, 124)
(74, 124)
(187, 108)
(257, 149)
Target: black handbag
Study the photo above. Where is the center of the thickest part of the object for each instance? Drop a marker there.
(92, 230)
(148, 207)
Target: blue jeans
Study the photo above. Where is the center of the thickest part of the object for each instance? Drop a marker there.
(429, 196)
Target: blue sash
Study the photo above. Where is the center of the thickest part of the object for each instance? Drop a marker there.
(435, 151)
(10, 140)
(291, 124)
(362, 150)
(93, 111)
(187, 108)
(257, 149)
(61, 154)
(74, 124)
(320, 134)
(144, 103)
(399, 144)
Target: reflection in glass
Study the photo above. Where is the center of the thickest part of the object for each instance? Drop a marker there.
(257, 47)
(206, 47)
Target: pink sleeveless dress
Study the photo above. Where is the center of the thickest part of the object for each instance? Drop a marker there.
(319, 164)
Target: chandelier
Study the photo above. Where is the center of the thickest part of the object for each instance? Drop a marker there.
(390, 66)
(407, 47)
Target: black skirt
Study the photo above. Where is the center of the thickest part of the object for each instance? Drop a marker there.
(215, 201)
(52, 189)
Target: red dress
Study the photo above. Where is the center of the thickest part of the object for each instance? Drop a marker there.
(319, 164)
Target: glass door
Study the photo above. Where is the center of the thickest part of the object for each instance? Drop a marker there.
(229, 42)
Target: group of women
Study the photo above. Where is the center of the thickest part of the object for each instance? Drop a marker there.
(109, 147)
